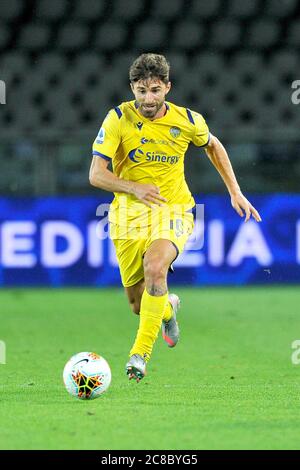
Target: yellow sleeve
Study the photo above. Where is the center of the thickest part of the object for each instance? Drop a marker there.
(201, 135)
(108, 139)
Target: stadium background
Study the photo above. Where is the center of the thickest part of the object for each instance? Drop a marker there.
(65, 64)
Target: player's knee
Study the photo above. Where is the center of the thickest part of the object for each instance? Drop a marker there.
(135, 307)
(135, 304)
(155, 270)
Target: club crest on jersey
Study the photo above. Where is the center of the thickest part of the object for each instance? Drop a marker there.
(100, 136)
(175, 132)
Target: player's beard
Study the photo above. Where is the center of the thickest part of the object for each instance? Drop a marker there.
(151, 111)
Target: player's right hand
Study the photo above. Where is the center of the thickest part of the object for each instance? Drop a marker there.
(148, 194)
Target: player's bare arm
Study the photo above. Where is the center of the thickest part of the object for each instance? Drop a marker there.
(219, 158)
(101, 177)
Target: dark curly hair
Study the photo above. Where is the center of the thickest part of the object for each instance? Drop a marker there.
(150, 66)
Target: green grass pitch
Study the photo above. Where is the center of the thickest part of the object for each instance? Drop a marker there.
(229, 384)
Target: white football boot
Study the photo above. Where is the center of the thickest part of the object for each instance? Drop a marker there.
(136, 367)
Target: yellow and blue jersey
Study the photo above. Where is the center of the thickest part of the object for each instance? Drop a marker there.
(150, 152)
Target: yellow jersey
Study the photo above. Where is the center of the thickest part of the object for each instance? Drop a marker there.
(150, 152)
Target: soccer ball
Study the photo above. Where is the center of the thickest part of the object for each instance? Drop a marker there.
(86, 375)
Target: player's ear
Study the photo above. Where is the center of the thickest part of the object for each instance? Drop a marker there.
(168, 87)
(132, 87)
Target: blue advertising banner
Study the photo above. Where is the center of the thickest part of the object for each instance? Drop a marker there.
(56, 241)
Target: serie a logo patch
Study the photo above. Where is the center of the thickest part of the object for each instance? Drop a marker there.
(175, 132)
(100, 136)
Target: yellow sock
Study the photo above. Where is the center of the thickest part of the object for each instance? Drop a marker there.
(151, 315)
(168, 312)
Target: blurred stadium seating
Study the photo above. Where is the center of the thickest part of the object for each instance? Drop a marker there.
(65, 63)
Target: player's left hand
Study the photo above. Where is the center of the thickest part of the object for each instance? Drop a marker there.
(244, 207)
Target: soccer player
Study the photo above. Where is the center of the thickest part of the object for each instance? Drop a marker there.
(151, 214)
